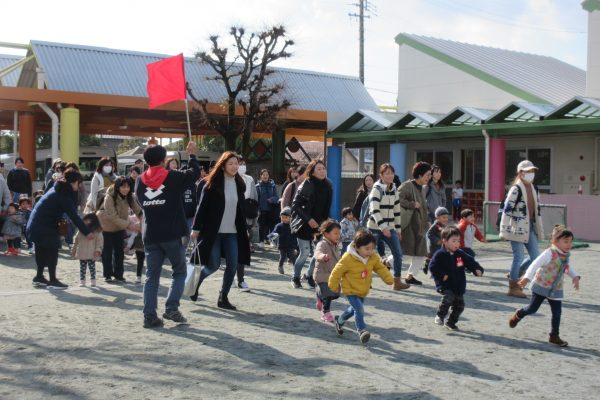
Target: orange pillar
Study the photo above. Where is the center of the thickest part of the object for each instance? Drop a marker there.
(27, 141)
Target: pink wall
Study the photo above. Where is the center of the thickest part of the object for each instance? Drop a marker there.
(497, 170)
(583, 213)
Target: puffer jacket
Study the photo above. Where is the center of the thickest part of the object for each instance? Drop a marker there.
(515, 224)
(85, 249)
(114, 214)
(323, 268)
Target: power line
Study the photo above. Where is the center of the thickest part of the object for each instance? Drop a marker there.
(364, 7)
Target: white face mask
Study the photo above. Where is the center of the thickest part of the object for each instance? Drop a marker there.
(242, 169)
(529, 176)
(107, 169)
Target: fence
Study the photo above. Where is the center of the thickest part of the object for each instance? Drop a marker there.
(552, 214)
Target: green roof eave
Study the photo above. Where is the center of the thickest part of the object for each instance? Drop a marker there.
(571, 125)
(591, 5)
(469, 69)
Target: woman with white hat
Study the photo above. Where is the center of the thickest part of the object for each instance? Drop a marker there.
(521, 223)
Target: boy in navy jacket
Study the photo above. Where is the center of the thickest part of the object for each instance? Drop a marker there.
(447, 268)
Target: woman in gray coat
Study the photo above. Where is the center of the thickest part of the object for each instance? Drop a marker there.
(435, 192)
(415, 219)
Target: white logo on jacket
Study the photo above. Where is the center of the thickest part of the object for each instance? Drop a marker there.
(152, 193)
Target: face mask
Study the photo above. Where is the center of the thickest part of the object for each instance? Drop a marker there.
(528, 177)
(107, 169)
(242, 169)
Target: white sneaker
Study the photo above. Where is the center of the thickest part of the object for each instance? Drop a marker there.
(138, 279)
(82, 283)
(244, 287)
(438, 320)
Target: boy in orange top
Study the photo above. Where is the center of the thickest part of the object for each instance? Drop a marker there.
(469, 231)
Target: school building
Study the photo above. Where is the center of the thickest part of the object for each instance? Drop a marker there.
(477, 111)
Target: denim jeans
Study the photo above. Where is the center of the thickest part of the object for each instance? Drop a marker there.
(155, 257)
(394, 244)
(224, 243)
(356, 309)
(519, 262)
(304, 246)
(534, 305)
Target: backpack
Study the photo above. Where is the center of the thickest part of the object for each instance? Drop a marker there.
(365, 210)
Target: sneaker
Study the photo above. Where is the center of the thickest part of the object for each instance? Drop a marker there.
(92, 282)
(175, 316)
(153, 322)
(296, 283)
(56, 284)
(14, 251)
(310, 281)
(327, 316)
(225, 304)
(339, 328)
(319, 304)
(244, 287)
(108, 279)
(194, 298)
(451, 326)
(438, 320)
(120, 280)
(82, 283)
(31, 251)
(280, 269)
(138, 279)
(413, 281)
(8, 253)
(364, 336)
(555, 339)
(39, 282)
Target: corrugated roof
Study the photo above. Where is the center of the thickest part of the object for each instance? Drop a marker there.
(11, 78)
(544, 77)
(101, 70)
(521, 111)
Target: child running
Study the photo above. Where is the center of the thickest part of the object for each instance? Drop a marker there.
(25, 208)
(13, 228)
(349, 226)
(448, 271)
(469, 231)
(327, 254)
(434, 235)
(286, 242)
(88, 251)
(547, 273)
(355, 271)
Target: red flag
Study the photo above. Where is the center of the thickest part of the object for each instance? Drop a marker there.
(166, 81)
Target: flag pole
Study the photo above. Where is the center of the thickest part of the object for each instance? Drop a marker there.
(187, 116)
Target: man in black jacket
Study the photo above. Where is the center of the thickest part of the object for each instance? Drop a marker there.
(19, 180)
(165, 230)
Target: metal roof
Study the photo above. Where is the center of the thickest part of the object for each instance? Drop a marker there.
(119, 72)
(545, 78)
(465, 116)
(416, 119)
(369, 120)
(11, 78)
(521, 111)
(577, 107)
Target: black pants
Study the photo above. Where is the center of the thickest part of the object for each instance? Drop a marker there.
(287, 253)
(46, 257)
(450, 299)
(140, 257)
(534, 305)
(263, 225)
(113, 246)
(13, 243)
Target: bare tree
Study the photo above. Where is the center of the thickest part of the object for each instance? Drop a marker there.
(244, 76)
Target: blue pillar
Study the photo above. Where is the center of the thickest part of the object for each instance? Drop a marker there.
(398, 159)
(334, 173)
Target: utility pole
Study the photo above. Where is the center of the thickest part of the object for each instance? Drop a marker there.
(363, 6)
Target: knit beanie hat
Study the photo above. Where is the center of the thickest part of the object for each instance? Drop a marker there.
(441, 211)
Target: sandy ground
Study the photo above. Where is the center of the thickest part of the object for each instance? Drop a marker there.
(90, 344)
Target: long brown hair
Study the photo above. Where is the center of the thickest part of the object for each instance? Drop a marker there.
(216, 177)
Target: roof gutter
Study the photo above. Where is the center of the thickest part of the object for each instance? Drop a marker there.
(50, 113)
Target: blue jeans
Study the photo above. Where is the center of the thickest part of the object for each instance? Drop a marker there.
(356, 309)
(304, 246)
(534, 305)
(224, 243)
(394, 244)
(155, 257)
(519, 262)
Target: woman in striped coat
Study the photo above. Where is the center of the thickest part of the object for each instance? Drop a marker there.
(384, 220)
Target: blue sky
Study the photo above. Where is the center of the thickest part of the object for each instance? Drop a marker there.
(326, 37)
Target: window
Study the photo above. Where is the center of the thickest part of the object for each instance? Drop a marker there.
(357, 162)
(541, 158)
(443, 159)
(473, 169)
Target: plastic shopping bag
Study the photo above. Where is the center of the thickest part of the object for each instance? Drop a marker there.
(193, 274)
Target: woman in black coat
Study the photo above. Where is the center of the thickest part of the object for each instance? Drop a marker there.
(220, 225)
(310, 208)
(42, 227)
(361, 194)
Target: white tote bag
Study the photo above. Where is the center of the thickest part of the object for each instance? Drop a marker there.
(193, 274)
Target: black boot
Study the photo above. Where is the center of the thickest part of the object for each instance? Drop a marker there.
(224, 303)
